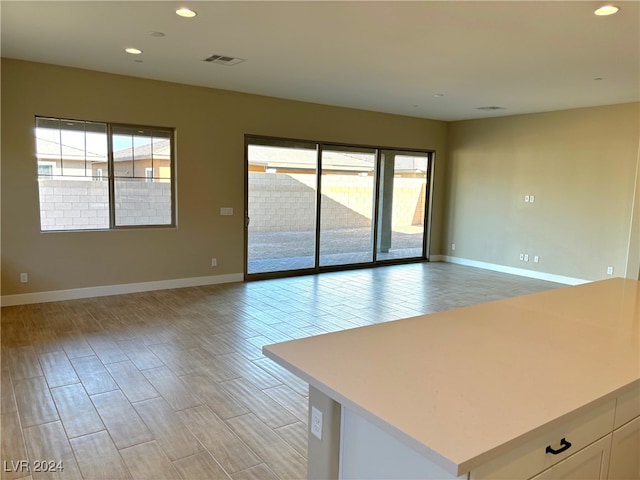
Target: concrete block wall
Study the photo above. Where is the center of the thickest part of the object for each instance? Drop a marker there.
(143, 203)
(73, 204)
(280, 202)
(84, 204)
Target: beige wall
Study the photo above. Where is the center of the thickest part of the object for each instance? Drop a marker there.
(580, 165)
(210, 127)
(633, 262)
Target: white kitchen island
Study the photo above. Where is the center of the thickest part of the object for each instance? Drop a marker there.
(545, 384)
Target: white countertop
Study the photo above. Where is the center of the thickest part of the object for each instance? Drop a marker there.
(466, 385)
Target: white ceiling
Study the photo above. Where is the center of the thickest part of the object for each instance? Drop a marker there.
(386, 56)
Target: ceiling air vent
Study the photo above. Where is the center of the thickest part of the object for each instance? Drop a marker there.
(492, 107)
(223, 60)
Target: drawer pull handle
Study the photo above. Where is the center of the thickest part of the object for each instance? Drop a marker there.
(565, 446)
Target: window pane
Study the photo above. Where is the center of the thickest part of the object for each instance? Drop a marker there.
(141, 153)
(161, 154)
(73, 148)
(73, 203)
(138, 202)
(70, 199)
(70, 147)
(122, 139)
(96, 156)
(48, 145)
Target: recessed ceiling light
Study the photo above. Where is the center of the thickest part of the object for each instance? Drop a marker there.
(156, 34)
(598, 78)
(438, 95)
(133, 51)
(185, 12)
(606, 10)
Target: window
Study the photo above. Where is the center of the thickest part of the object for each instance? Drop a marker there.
(94, 175)
(45, 169)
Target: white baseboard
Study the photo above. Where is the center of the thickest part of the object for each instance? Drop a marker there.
(77, 293)
(523, 272)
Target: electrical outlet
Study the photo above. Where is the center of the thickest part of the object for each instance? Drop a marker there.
(24, 277)
(316, 422)
(453, 246)
(609, 270)
(214, 262)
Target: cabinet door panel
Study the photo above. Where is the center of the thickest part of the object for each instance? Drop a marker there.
(625, 452)
(590, 463)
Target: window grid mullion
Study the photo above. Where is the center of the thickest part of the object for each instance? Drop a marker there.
(111, 174)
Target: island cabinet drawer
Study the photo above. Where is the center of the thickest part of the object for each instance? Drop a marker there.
(627, 407)
(551, 447)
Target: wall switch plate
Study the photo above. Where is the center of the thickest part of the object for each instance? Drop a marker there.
(609, 270)
(532, 198)
(226, 211)
(526, 199)
(522, 256)
(526, 257)
(316, 423)
(214, 262)
(536, 258)
(453, 246)
(24, 277)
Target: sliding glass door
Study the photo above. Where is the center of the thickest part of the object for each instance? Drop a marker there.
(347, 205)
(281, 214)
(312, 206)
(402, 198)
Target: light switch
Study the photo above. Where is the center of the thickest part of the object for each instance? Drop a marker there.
(226, 211)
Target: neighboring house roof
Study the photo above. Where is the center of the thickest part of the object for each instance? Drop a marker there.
(291, 158)
(52, 150)
(48, 149)
(276, 157)
(161, 149)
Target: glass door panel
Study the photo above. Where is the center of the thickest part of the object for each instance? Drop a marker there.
(347, 205)
(402, 204)
(281, 205)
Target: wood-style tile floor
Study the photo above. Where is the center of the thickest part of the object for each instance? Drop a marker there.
(173, 384)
